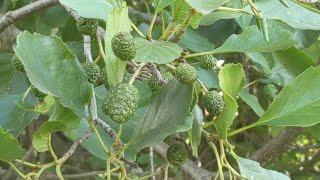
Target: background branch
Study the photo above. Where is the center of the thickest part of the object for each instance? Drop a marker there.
(12, 16)
(144, 17)
(277, 145)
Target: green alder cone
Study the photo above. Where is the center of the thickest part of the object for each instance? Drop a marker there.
(270, 90)
(186, 74)
(121, 102)
(207, 62)
(92, 70)
(213, 103)
(177, 154)
(124, 46)
(87, 26)
(15, 61)
(37, 93)
(153, 84)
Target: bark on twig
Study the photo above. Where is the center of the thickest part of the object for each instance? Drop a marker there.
(156, 73)
(277, 145)
(75, 145)
(12, 16)
(151, 162)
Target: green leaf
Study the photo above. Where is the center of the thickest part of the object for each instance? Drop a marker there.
(13, 115)
(63, 114)
(306, 38)
(252, 101)
(313, 51)
(252, 40)
(159, 52)
(195, 42)
(9, 147)
(288, 64)
(209, 78)
(41, 136)
(7, 72)
(314, 131)
(231, 79)
(252, 170)
(297, 104)
(54, 70)
(195, 131)
(225, 119)
(259, 60)
(166, 114)
(205, 6)
(180, 12)
(55, 16)
(161, 4)
(118, 21)
(45, 105)
(215, 16)
(89, 9)
(296, 15)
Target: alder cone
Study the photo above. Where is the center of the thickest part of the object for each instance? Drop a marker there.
(87, 26)
(92, 70)
(207, 62)
(124, 46)
(121, 102)
(213, 103)
(16, 62)
(37, 93)
(186, 74)
(177, 154)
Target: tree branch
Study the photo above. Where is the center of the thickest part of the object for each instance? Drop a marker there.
(12, 16)
(75, 145)
(112, 133)
(277, 145)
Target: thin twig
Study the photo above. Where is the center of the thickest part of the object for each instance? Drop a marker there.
(136, 73)
(112, 133)
(215, 150)
(151, 162)
(87, 48)
(166, 171)
(178, 35)
(156, 74)
(83, 175)
(137, 30)
(75, 145)
(18, 171)
(55, 158)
